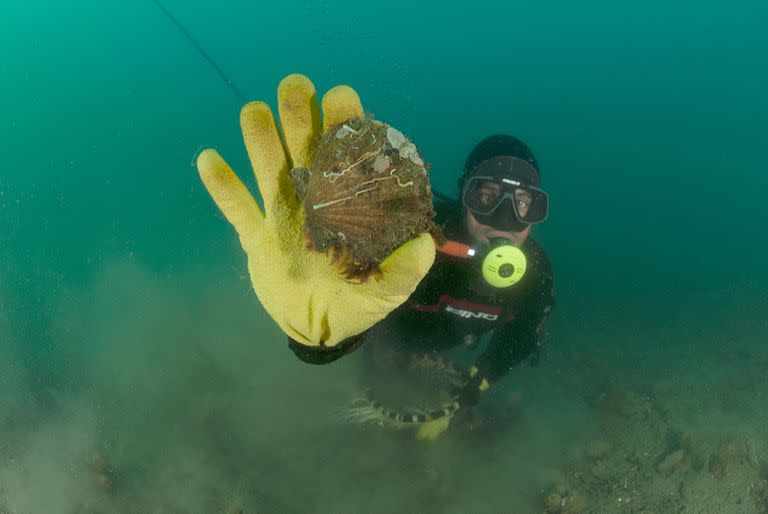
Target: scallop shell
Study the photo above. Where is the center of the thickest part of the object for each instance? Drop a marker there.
(366, 195)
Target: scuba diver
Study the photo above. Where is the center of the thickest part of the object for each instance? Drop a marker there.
(461, 297)
(490, 278)
(490, 281)
(490, 288)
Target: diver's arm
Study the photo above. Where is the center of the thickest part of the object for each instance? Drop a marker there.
(517, 341)
(508, 347)
(505, 351)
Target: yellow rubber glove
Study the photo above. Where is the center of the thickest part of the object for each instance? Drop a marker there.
(301, 289)
(431, 430)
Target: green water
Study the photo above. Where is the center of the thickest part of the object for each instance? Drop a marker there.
(128, 328)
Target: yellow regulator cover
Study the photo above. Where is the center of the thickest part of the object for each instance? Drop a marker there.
(504, 266)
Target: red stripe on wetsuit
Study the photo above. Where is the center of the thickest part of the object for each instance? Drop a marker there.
(456, 303)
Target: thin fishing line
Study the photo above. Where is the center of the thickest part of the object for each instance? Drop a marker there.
(202, 52)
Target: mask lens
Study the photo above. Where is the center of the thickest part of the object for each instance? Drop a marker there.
(484, 195)
(531, 204)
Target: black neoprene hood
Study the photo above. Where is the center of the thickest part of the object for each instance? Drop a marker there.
(501, 146)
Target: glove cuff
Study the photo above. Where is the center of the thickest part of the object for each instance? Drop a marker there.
(325, 354)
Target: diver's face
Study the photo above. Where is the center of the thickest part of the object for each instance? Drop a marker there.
(487, 194)
(482, 234)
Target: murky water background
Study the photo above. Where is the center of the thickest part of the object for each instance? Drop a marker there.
(139, 374)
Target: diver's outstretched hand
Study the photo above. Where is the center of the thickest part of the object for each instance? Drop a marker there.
(303, 291)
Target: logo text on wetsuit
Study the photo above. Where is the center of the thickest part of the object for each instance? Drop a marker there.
(469, 314)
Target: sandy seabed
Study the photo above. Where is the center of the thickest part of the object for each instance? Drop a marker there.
(165, 395)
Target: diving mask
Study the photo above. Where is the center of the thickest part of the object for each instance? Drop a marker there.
(504, 202)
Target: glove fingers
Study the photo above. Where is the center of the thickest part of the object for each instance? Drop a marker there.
(268, 159)
(299, 117)
(230, 194)
(402, 271)
(339, 105)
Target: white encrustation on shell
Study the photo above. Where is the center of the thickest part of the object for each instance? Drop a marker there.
(381, 163)
(395, 138)
(407, 149)
(344, 131)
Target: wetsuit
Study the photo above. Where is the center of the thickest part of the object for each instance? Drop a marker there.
(451, 305)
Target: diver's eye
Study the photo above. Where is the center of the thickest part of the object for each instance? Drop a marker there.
(488, 198)
(523, 200)
(522, 206)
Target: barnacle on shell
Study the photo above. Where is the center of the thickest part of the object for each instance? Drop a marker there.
(366, 195)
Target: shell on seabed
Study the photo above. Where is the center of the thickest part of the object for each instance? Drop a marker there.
(366, 195)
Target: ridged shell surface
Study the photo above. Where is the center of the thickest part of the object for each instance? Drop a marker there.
(367, 194)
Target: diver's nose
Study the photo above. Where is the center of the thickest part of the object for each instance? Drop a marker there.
(507, 208)
(505, 216)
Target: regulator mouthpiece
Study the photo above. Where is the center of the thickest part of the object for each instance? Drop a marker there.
(504, 264)
(501, 265)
